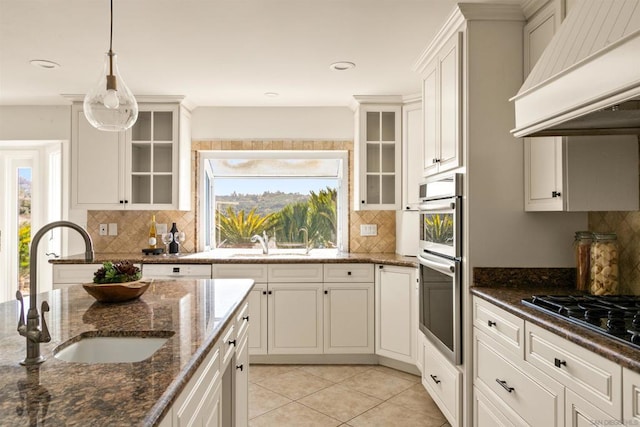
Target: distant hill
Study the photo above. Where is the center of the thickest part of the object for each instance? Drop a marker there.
(265, 203)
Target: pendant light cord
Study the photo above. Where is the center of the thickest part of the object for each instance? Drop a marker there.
(111, 42)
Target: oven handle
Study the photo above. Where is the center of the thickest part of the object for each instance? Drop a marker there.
(447, 267)
(445, 206)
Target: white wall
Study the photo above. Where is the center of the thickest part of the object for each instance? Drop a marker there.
(35, 123)
(334, 123)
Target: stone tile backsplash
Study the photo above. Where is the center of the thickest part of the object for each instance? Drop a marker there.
(133, 226)
(626, 225)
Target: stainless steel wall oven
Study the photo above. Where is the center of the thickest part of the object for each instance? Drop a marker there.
(440, 263)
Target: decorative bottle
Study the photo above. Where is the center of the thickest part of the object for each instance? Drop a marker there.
(604, 264)
(582, 247)
(174, 246)
(152, 233)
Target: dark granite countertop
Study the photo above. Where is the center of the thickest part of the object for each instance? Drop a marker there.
(315, 256)
(509, 298)
(193, 312)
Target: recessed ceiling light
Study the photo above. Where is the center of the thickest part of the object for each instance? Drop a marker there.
(271, 94)
(43, 63)
(342, 66)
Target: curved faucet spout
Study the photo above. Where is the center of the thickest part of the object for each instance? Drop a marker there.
(31, 330)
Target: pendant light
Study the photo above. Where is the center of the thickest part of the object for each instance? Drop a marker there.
(110, 105)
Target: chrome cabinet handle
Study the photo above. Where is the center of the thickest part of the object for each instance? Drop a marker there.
(504, 385)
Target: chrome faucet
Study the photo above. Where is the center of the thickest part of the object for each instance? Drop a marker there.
(264, 241)
(30, 329)
(306, 239)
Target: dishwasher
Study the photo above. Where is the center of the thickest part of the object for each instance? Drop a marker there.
(176, 271)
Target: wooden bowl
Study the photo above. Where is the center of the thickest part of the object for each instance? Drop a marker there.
(117, 292)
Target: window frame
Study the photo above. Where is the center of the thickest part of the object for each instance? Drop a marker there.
(206, 187)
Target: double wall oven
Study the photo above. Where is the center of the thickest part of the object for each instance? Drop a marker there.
(440, 263)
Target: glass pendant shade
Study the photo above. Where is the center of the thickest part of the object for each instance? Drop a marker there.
(110, 105)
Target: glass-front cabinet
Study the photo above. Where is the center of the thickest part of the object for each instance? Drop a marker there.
(145, 167)
(378, 155)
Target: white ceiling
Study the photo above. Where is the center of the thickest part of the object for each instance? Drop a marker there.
(218, 52)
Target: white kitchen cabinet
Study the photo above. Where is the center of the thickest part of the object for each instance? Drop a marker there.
(295, 318)
(442, 105)
(145, 167)
(396, 317)
(486, 414)
(443, 381)
(412, 153)
(348, 318)
(378, 153)
(241, 381)
(631, 396)
(65, 275)
(579, 412)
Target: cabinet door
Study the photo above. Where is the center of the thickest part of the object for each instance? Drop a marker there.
(580, 413)
(241, 389)
(97, 165)
(152, 157)
(450, 78)
(543, 174)
(631, 396)
(294, 318)
(396, 319)
(431, 124)
(412, 146)
(380, 157)
(211, 414)
(258, 319)
(348, 318)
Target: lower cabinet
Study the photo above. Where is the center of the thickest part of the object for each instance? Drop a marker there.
(348, 318)
(396, 312)
(258, 316)
(65, 275)
(176, 271)
(294, 318)
(631, 396)
(443, 381)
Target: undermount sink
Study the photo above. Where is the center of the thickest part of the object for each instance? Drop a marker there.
(98, 349)
(274, 255)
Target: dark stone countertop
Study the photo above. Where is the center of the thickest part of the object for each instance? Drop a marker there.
(315, 256)
(59, 393)
(510, 299)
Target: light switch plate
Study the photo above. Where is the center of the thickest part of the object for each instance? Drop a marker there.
(368, 230)
(113, 229)
(161, 229)
(103, 229)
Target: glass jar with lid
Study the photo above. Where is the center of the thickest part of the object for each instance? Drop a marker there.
(604, 264)
(582, 248)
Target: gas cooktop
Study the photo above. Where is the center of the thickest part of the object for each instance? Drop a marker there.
(616, 316)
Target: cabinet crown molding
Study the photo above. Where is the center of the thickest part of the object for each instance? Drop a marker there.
(374, 99)
(462, 13)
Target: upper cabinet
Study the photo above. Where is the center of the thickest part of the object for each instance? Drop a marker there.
(412, 149)
(377, 153)
(586, 173)
(145, 167)
(441, 96)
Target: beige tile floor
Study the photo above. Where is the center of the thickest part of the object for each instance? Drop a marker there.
(338, 395)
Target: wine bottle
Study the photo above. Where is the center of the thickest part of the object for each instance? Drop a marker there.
(174, 246)
(152, 233)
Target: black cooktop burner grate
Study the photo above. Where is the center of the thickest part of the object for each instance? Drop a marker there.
(616, 316)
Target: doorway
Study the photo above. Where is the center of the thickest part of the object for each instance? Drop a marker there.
(31, 188)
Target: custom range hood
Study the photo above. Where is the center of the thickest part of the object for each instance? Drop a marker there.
(587, 81)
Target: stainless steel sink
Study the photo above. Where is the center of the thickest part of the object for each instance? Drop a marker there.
(109, 349)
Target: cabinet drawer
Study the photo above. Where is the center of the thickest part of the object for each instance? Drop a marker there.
(443, 381)
(487, 414)
(344, 273)
(171, 271)
(257, 272)
(516, 388)
(597, 379)
(74, 273)
(294, 273)
(228, 344)
(504, 327)
(242, 321)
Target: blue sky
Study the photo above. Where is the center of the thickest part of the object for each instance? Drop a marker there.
(25, 173)
(224, 187)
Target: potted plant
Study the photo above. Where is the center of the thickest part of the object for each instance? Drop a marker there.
(116, 282)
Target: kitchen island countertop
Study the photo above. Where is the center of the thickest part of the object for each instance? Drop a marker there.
(192, 312)
(510, 298)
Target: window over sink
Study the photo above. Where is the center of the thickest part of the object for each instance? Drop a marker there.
(299, 199)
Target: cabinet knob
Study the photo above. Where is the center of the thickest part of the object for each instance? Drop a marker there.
(362, 201)
(408, 208)
(434, 160)
(270, 292)
(264, 292)
(121, 201)
(241, 367)
(348, 273)
(245, 318)
(232, 342)
(491, 323)
(555, 194)
(381, 267)
(326, 292)
(559, 363)
(126, 201)
(435, 379)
